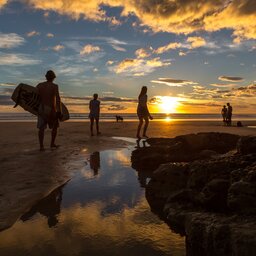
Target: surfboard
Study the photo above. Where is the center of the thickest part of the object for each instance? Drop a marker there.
(28, 98)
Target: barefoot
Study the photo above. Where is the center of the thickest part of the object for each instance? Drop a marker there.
(54, 146)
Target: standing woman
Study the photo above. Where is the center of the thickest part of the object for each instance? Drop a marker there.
(94, 107)
(143, 113)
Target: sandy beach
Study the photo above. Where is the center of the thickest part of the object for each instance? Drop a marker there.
(27, 175)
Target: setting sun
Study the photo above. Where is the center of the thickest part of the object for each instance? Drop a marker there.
(168, 104)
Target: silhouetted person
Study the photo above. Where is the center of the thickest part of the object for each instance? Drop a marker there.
(95, 162)
(229, 114)
(49, 206)
(239, 124)
(49, 109)
(143, 113)
(224, 114)
(94, 107)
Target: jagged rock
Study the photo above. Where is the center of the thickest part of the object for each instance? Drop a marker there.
(168, 178)
(246, 145)
(214, 195)
(211, 200)
(149, 158)
(185, 148)
(218, 142)
(241, 197)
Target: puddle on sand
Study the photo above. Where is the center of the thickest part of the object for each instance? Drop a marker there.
(101, 211)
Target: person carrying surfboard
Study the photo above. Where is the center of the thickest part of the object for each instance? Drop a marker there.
(50, 109)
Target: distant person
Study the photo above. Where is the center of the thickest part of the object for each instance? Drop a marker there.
(224, 114)
(143, 113)
(229, 114)
(94, 107)
(49, 109)
(239, 124)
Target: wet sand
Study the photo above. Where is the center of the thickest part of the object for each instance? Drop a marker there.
(27, 175)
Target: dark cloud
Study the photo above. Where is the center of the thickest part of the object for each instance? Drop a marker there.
(116, 107)
(173, 82)
(194, 104)
(231, 78)
(108, 99)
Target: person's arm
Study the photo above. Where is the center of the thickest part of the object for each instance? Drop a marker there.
(58, 101)
(146, 105)
(90, 105)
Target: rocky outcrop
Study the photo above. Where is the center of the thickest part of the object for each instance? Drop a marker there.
(185, 148)
(210, 199)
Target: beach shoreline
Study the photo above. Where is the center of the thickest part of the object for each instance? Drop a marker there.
(28, 175)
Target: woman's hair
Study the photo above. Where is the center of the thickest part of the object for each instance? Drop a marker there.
(143, 91)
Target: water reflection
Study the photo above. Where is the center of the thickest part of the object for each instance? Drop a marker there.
(95, 162)
(48, 207)
(105, 214)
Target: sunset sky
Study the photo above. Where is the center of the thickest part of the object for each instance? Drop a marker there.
(194, 55)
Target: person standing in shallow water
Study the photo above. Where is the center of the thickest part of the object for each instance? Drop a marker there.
(224, 114)
(94, 107)
(143, 113)
(229, 114)
(49, 109)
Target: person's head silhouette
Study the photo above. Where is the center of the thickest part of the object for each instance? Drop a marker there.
(95, 96)
(50, 75)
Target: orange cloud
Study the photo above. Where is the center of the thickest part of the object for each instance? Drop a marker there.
(167, 47)
(3, 2)
(33, 33)
(89, 48)
(238, 15)
(139, 67)
(89, 9)
(176, 16)
(58, 47)
(142, 53)
(196, 41)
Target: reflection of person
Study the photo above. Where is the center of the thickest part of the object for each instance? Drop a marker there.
(229, 114)
(50, 108)
(224, 114)
(49, 207)
(142, 112)
(94, 107)
(95, 162)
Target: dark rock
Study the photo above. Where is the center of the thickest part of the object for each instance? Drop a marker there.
(204, 190)
(242, 197)
(214, 195)
(246, 145)
(168, 178)
(218, 142)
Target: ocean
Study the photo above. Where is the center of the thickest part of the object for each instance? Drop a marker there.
(27, 117)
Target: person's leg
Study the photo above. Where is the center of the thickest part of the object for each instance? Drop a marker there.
(41, 138)
(41, 125)
(91, 127)
(139, 127)
(145, 127)
(54, 135)
(97, 126)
